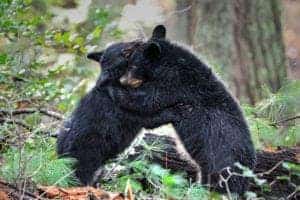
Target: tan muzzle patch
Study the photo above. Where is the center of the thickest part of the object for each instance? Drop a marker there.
(128, 80)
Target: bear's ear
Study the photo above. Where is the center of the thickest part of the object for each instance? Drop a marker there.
(152, 51)
(95, 56)
(159, 32)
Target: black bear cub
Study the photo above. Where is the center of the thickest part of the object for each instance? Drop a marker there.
(212, 128)
(98, 129)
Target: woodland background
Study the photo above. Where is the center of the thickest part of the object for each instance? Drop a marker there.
(253, 45)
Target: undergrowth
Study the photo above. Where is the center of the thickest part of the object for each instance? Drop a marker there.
(36, 162)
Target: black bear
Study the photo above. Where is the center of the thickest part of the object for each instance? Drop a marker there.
(212, 128)
(98, 130)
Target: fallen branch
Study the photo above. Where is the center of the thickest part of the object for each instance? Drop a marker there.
(15, 121)
(48, 113)
(53, 114)
(268, 166)
(22, 124)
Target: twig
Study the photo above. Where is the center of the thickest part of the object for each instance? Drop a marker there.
(295, 191)
(15, 121)
(19, 190)
(175, 12)
(23, 190)
(286, 120)
(22, 124)
(52, 114)
(270, 170)
(225, 181)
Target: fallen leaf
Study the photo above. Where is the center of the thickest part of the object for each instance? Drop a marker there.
(78, 193)
(3, 196)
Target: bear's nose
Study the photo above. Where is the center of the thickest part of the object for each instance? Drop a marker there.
(128, 80)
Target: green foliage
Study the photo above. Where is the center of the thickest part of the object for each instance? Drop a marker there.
(32, 73)
(32, 76)
(265, 117)
(250, 174)
(148, 179)
(6, 131)
(37, 162)
(294, 168)
(152, 178)
(282, 104)
(22, 17)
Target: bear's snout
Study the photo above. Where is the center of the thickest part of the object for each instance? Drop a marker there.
(128, 80)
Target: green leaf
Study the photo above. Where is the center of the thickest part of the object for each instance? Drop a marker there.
(292, 167)
(135, 185)
(286, 178)
(196, 192)
(157, 170)
(97, 32)
(3, 58)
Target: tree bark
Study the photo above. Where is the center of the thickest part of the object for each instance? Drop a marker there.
(243, 38)
(192, 19)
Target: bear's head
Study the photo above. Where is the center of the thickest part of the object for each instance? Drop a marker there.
(133, 64)
(167, 63)
(142, 60)
(113, 61)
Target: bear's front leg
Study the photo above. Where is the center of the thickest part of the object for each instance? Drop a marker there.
(144, 100)
(140, 102)
(171, 114)
(90, 152)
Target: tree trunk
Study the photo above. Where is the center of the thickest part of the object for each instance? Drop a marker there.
(192, 19)
(243, 38)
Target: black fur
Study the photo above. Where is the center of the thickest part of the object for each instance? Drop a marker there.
(98, 130)
(212, 129)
